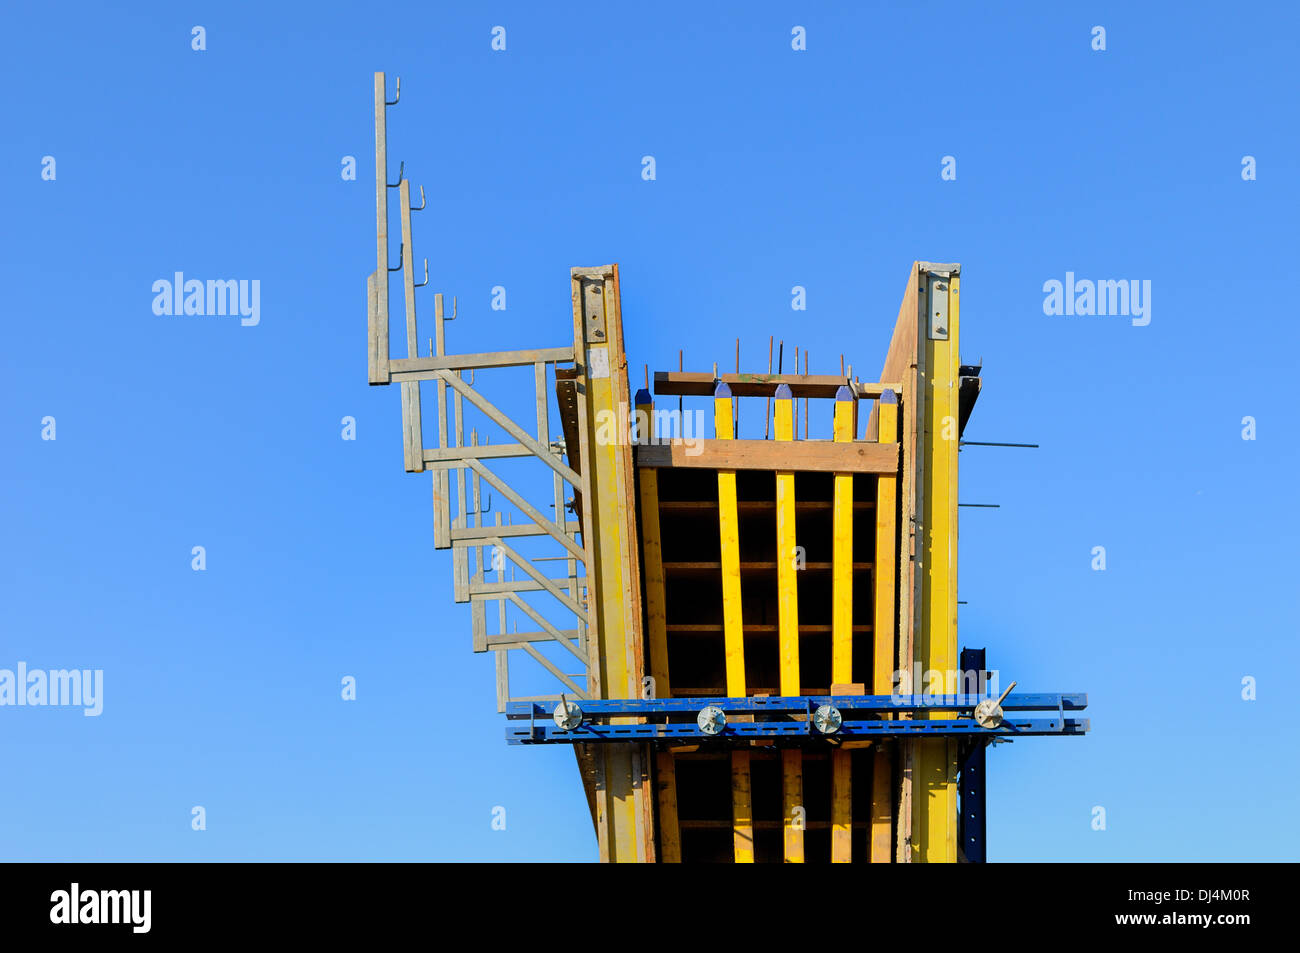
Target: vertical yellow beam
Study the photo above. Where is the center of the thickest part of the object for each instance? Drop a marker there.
(729, 536)
(786, 583)
(787, 586)
(843, 431)
(934, 833)
(842, 549)
(624, 805)
(882, 660)
(885, 560)
(733, 631)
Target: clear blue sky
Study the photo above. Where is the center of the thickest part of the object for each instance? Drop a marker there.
(775, 168)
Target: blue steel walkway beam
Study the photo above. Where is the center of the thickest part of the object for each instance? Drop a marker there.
(800, 704)
(546, 732)
(590, 721)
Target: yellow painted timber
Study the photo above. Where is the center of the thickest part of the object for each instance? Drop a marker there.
(729, 534)
(885, 564)
(842, 548)
(624, 806)
(786, 583)
(733, 633)
(843, 430)
(792, 804)
(934, 791)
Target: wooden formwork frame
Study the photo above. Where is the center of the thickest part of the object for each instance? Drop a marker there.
(923, 354)
(910, 451)
(616, 666)
(847, 458)
(917, 416)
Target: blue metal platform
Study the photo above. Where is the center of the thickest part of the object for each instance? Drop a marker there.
(596, 716)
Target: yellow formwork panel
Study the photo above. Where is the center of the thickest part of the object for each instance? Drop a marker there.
(788, 629)
(733, 631)
(786, 584)
(885, 560)
(623, 806)
(843, 431)
(934, 790)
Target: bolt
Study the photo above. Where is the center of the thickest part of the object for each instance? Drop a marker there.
(827, 719)
(711, 720)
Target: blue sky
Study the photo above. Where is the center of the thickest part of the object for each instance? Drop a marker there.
(775, 168)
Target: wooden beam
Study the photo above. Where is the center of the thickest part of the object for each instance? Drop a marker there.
(653, 566)
(670, 837)
(742, 808)
(795, 815)
(426, 368)
(441, 478)
(378, 283)
(670, 834)
(882, 796)
(872, 391)
(900, 365)
(412, 427)
(817, 456)
(692, 384)
(841, 806)
(491, 591)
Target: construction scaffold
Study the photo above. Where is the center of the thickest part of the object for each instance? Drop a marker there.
(756, 626)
